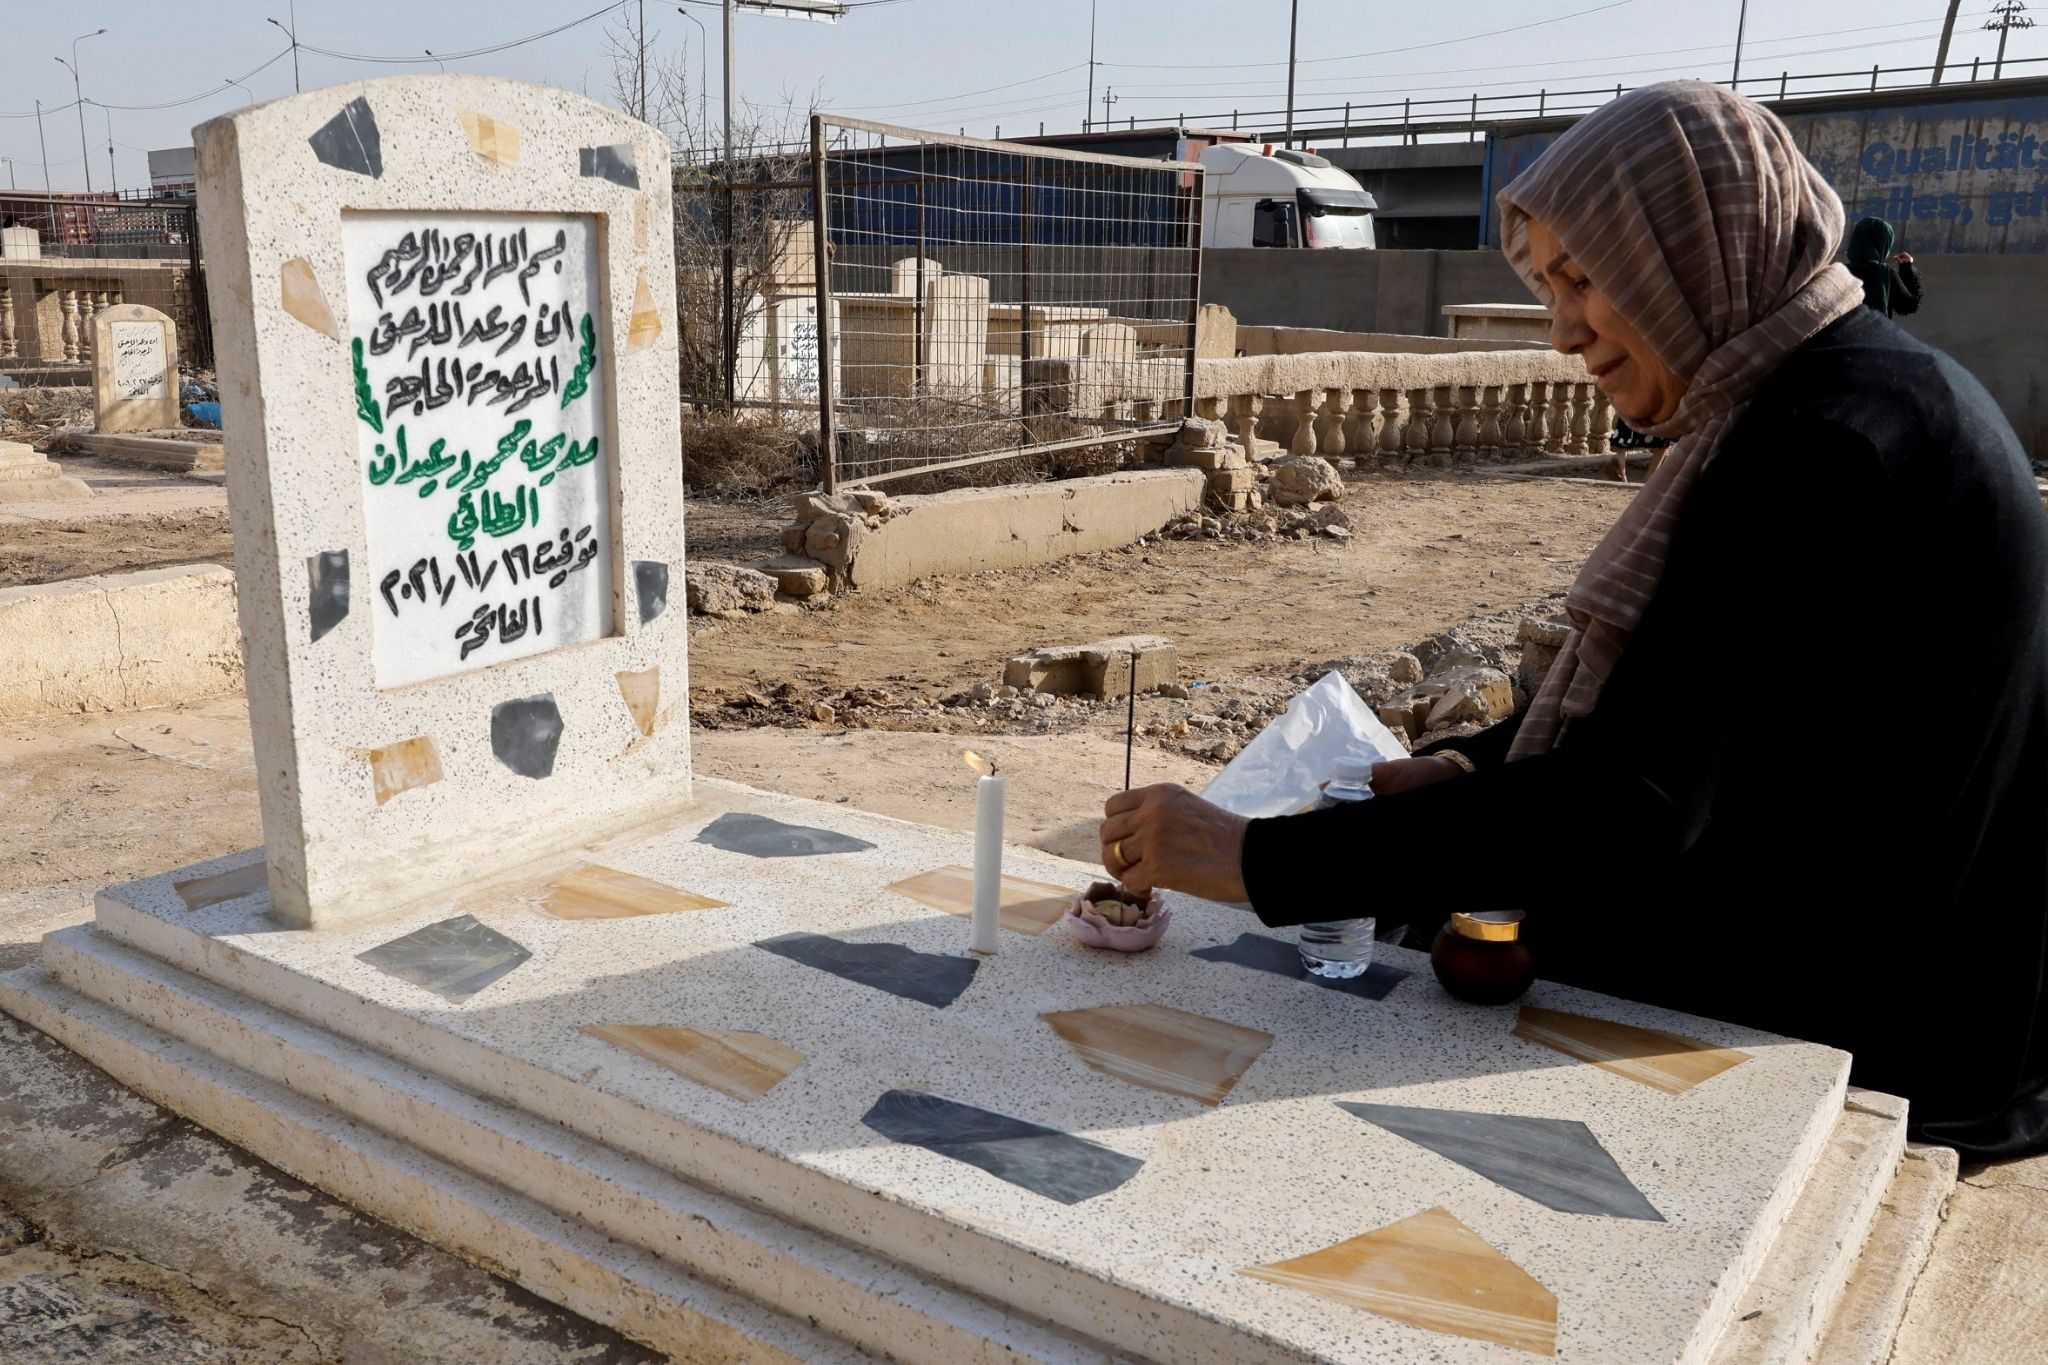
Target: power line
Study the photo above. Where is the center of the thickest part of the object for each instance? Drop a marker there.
(961, 95)
(473, 52)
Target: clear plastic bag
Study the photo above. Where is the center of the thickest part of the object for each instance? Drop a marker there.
(1281, 772)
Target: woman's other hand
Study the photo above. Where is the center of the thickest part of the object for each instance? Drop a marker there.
(1903, 257)
(1165, 835)
(1406, 774)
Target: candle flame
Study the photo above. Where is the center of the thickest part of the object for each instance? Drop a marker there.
(977, 762)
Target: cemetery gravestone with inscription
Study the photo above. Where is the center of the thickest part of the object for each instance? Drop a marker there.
(449, 380)
(135, 369)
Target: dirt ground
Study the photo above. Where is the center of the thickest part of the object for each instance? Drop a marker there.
(127, 1234)
(47, 552)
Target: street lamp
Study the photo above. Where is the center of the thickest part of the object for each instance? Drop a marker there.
(244, 89)
(293, 34)
(10, 171)
(437, 61)
(78, 94)
(703, 71)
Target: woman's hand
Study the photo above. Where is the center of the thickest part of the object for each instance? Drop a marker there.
(1903, 257)
(1406, 774)
(1165, 835)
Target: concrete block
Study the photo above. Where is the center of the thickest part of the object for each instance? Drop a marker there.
(158, 452)
(1239, 480)
(26, 476)
(135, 376)
(796, 575)
(113, 642)
(1106, 667)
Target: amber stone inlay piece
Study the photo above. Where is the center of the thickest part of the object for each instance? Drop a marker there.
(594, 892)
(200, 892)
(1162, 1049)
(644, 329)
(1429, 1271)
(301, 296)
(1027, 907)
(402, 766)
(642, 692)
(1663, 1060)
(493, 141)
(745, 1066)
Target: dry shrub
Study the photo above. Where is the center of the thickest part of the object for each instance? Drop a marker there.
(737, 455)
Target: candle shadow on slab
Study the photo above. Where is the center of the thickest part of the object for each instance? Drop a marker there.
(930, 978)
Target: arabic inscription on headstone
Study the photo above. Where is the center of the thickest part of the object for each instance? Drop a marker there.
(138, 360)
(482, 430)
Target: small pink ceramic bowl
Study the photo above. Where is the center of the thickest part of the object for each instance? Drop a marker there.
(1097, 932)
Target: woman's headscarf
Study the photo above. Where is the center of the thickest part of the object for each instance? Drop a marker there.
(1870, 260)
(1694, 211)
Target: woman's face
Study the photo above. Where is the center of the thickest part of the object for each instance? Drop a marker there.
(1583, 323)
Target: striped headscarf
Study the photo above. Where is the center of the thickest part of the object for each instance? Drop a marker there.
(1693, 210)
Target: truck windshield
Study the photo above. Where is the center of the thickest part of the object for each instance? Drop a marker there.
(1336, 228)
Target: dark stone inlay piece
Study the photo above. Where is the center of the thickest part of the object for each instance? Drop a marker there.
(349, 140)
(1556, 1162)
(934, 979)
(1042, 1160)
(454, 958)
(525, 734)
(327, 574)
(613, 163)
(1284, 959)
(650, 583)
(757, 836)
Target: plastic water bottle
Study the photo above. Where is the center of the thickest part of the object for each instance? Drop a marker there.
(1341, 948)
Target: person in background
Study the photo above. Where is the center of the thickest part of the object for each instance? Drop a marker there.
(1890, 289)
(1710, 804)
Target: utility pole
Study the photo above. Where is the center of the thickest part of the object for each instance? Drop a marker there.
(1108, 98)
(293, 34)
(1741, 23)
(1089, 107)
(1948, 31)
(1293, 28)
(2011, 14)
(10, 172)
(44, 145)
(642, 63)
(113, 180)
(78, 95)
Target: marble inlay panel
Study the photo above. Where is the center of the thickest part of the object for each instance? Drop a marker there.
(453, 958)
(594, 892)
(1664, 1060)
(1265, 954)
(1432, 1271)
(743, 1065)
(1043, 1160)
(1163, 1049)
(1556, 1162)
(400, 767)
(200, 892)
(759, 836)
(1026, 907)
(934, 979)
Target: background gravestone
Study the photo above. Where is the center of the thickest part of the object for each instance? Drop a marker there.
(134, 369)
(446, 337)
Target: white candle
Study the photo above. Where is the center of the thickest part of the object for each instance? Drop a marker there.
(988, 863)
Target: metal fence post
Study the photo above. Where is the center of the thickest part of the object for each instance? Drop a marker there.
(1187, 407)
(821, 270)
(1024, 298)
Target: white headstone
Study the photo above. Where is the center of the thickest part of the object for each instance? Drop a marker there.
(444, 311)
(135, 369)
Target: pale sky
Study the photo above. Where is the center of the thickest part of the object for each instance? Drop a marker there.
(944, 64)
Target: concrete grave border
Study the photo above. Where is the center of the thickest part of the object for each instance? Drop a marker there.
(274, 182)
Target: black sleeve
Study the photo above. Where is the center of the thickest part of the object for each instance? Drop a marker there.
(1752, 566)
(1487, 749)
(1906, 295)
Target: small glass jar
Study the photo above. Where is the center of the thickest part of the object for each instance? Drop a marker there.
(1480, 958)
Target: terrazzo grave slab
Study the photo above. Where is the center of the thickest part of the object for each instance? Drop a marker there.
(591, 891)
(450, 369)
(1151, 1267)
(745, 1066)
(1652, 1057)
(199, 892)
(1434, 1272)
(1025, 907)
(1556, 1162)
(1264, 953)
(1168, 1050)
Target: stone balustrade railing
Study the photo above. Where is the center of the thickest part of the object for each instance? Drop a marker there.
(75, 307)
(1399, 409)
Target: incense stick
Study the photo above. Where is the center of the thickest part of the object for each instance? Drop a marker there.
(1131, 721)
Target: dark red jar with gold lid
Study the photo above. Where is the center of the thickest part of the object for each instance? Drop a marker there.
(1480, 958)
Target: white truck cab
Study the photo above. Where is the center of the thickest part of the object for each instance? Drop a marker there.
(1262, 195)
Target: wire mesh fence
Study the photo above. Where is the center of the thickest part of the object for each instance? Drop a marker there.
(986, 300)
